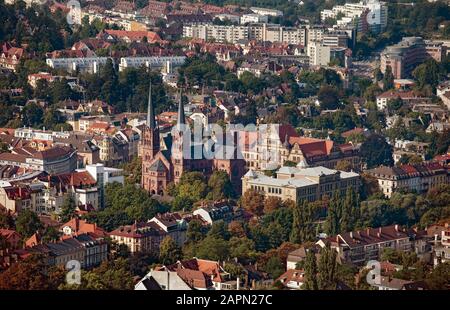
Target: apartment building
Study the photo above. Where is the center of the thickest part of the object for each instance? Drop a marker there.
(419, 178)
(319, 54)
(82, 64)
(253, 18)
(267, 12)
(366, 15)
(258, 32)
(297, 184)
(153, 62)
(57, 159)
(407, 97)
(359, 247)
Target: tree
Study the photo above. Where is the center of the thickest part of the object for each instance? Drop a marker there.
(192, 186)
(439, 278)
(274, 267)
(32, 115)
(213, 248)
(110, 275)
(253, 202)
(310, 271)
(388, 79)
(272, 203)
(242, 248)
(327, 269)
(376, 151)
(68, 209)
(169, 252)
(220, 186)
(195, 231)
(344, 165)
(427, 73)
(328, 97)
(28, 223)
(32, 273)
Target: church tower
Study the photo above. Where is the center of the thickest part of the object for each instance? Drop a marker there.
(150, 143)
(178, 161)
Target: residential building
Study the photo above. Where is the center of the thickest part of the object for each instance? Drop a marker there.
(292, 279)
(15, 198)
(13, 238)
(366, 15)
(57, 159)
(83, 64)
(173, 224)
(358, 247)
(152, 62)
(10, 56)
(253, 19)
(201, 274)
(298, 184)
(218, 211)
(394, 284)
(87, 249)
(75, 227)
(139, 237)
(442, 251)
(418, 178)
(267, 12)
(407, 97)
(319, 54)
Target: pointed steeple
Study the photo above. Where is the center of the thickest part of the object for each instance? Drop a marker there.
(181, 117)
(151, 123)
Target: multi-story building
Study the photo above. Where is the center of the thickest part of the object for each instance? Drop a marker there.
(297, 184)
(83, 64)
(88, 249)
(153, 62)
(267, 12)
(404, 56)
(319, 54)
(359, 247)
(407, 97)
(10, 56)
(15, 198)
(253, 18)
(258, 32)
(367, 15)
(57, 159)
(442, 250)
(269, 146)
(139, 237)
(419, 178)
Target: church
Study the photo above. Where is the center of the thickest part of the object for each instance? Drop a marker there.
(163, 161)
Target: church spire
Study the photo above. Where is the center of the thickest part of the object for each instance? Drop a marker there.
(151, 123)
(181, 117)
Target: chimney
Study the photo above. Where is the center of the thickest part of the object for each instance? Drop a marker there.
(351, 234)
(237, 284)
(396, 227)
(379, 230)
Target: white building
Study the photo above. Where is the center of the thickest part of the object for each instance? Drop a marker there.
(366, 15)
(254, 18)
(319, 55)
(268, 12)
(85, 64)
(153, 62)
